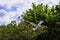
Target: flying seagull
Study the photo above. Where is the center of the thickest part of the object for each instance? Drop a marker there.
(37, 26)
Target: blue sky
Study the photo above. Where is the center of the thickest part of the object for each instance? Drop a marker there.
(11, 9)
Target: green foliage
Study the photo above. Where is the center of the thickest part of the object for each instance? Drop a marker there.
(50, 16)
(38, 13)
(22, 31)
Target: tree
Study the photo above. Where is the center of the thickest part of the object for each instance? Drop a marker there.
(38, 13)
(50, 16)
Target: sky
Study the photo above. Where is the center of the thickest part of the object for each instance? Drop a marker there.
(11, 9)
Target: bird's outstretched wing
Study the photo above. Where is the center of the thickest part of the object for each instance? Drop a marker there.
(39, 24)
(31, 23)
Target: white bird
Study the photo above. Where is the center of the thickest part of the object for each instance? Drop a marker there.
(37, 26)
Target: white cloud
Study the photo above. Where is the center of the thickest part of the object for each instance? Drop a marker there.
(8, 16)
(5, 18)
(49, 2)
(2, 13)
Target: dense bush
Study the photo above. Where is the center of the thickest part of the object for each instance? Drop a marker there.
(20, 32)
